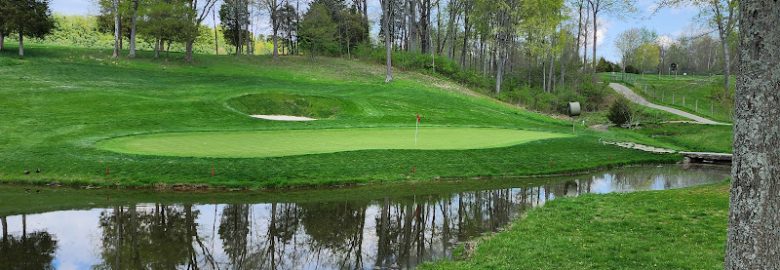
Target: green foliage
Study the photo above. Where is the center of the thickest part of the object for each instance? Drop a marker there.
(234, 18)
(606, 66)
(31, 18)
(620, 112)
(318, 31)
(159, 23)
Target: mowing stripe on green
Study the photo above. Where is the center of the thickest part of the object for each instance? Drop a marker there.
(248, 144)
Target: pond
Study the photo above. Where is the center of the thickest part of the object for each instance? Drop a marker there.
(372, 227)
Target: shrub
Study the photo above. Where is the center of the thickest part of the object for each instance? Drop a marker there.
(620, 112)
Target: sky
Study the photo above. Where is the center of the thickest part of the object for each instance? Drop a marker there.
(671, 22)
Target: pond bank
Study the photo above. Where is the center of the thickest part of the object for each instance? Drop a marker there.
(386, 226)
(670, 229)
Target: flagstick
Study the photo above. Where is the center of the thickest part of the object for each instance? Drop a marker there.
(416, 128)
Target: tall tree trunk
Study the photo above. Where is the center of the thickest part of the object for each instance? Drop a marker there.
(500, 70)
(21, 44)
(117, 36)
(188, 50)
(595, 41)
(466, 29)
(439, 44)
(276, 44)
(157, 48)
(754, 217)
(412, 26)
(388, 42)
(4, 223)
(726, 62)
(132, 29)
(2, 41)
(216, 32)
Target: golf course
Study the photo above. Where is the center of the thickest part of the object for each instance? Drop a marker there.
(157, 122)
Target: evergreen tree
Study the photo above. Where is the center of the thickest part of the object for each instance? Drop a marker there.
(318, 31)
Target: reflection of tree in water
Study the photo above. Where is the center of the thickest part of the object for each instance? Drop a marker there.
(338, 229)
(233, 230)
(27, 251)
(158, 238)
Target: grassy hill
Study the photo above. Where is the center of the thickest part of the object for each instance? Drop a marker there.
(57, 104)
(700, 95)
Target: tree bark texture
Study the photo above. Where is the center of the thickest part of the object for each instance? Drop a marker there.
(754, 217)
(388, 44)
(117, 36)
(132, 29)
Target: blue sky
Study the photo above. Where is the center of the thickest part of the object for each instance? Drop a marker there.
(667, 22)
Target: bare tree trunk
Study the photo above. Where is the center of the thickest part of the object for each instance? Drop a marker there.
(188, 50)
(4, 222)
(2, 41)
(726, 63)
(412, 46)
(216, 33)
(157, 48)
(388, 41)
(132, 29)
(117, 36)
(754, 218)
(21, 44)
(500, 70)
(466, 29)
(595, 41)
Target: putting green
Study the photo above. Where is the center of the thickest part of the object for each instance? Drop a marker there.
(247, 144)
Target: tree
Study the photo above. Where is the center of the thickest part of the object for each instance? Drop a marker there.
(117, 33)
(318, 31)
(627, 42)
(234, 17)
(754, 218)
(647, 57)
(620, 112)
(163, 21)
(133, 21)
(724, 16)
(386, 4)
(197, 13)
(608, 6)
(4, 30)
(272, 6)
(30, 18)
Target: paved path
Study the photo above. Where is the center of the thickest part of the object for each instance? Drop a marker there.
(630, 95)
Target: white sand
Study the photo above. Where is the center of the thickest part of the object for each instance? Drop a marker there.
(282, 117)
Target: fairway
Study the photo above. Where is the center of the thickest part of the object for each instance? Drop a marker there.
(252, 144)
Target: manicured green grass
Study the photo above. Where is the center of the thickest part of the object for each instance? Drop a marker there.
(693, 137)
(276, 143)
(700, 95)
(59, 102)
(674, 229)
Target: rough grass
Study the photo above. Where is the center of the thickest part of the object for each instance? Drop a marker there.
(700, 95)
(693, 137)
(58, 102)
(277, 143)
(674, 229)
(286, 104)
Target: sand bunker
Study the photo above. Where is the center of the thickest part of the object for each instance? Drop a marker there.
(282, 117)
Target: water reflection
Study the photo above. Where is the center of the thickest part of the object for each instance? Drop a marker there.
(389, 232)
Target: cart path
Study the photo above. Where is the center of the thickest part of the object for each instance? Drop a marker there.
(633, 97)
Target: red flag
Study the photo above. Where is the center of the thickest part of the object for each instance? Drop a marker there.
(418, 118)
